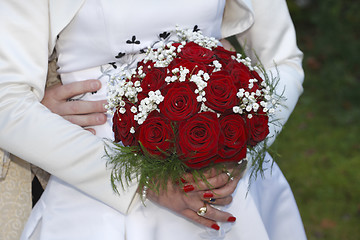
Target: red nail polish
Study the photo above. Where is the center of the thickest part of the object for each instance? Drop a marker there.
(215, 226)
(188, 188)
(182, 180)
(208, 195)
(231, 219)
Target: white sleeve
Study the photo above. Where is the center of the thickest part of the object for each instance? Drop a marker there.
(271, 36)
(27, 128)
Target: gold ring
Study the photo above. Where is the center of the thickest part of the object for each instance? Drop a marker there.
(202, 211)
(229, 175)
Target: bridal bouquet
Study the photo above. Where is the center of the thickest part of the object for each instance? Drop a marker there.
(188, 105)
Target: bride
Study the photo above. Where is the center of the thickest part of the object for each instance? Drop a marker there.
(89, 35)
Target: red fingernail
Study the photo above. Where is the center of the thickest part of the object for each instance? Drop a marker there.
(231, 219)
(208, 195)
(188, 188)
(182, 180)
(215, 226)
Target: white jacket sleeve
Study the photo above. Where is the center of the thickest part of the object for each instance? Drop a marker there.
(27, 128)
(268, 32)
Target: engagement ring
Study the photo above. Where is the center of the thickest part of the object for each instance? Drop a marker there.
(202, 211)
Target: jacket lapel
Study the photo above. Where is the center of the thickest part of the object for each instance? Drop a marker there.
(61, 12)
(238, 17)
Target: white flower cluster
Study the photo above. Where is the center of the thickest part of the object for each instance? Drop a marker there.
(200, 79)
(147, 105)
(163, 54)
(250, 100)
(197, 37)
(246, 61)
(179, 74)
(120, 88)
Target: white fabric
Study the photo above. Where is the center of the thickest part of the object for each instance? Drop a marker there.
(267, 212)
(29, 130)
(75, 156)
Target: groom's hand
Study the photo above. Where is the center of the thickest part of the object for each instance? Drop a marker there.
(82, 113)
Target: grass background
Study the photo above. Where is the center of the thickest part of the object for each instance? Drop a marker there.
(319, 147)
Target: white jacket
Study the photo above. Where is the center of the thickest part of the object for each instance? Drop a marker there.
(28, 32)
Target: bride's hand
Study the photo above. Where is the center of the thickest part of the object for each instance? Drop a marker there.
(82, 113)
(217, 194)
(189, 200)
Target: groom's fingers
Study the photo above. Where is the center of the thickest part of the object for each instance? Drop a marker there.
(77, 88)
(92, 119)
(82, 107)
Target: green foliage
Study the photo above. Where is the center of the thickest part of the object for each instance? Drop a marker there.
(319, 146)
(129, 163)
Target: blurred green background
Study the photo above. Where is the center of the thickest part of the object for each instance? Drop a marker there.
(319, 147)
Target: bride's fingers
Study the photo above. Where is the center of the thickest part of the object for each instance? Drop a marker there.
(209, 212)
(190, 214)
(212, 172)
(231, 169)
(223, 191)
(91, 130)
(219, 201)
(210, 183)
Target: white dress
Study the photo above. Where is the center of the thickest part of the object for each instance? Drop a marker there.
(103, 36)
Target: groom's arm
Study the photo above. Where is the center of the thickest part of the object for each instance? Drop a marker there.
(27, 128)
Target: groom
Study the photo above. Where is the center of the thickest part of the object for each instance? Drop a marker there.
(16, 175)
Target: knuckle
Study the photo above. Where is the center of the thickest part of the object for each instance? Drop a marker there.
(74, 106)
(70, 118)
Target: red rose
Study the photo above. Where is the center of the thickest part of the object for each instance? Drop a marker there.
(241, 74)
(156, 135)
(179, 101)
(154, 80)
(196, 53)
(223, 55)
(232, 147)
(221, 92)
(258, 128)
(198, 139)
(122, 124)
